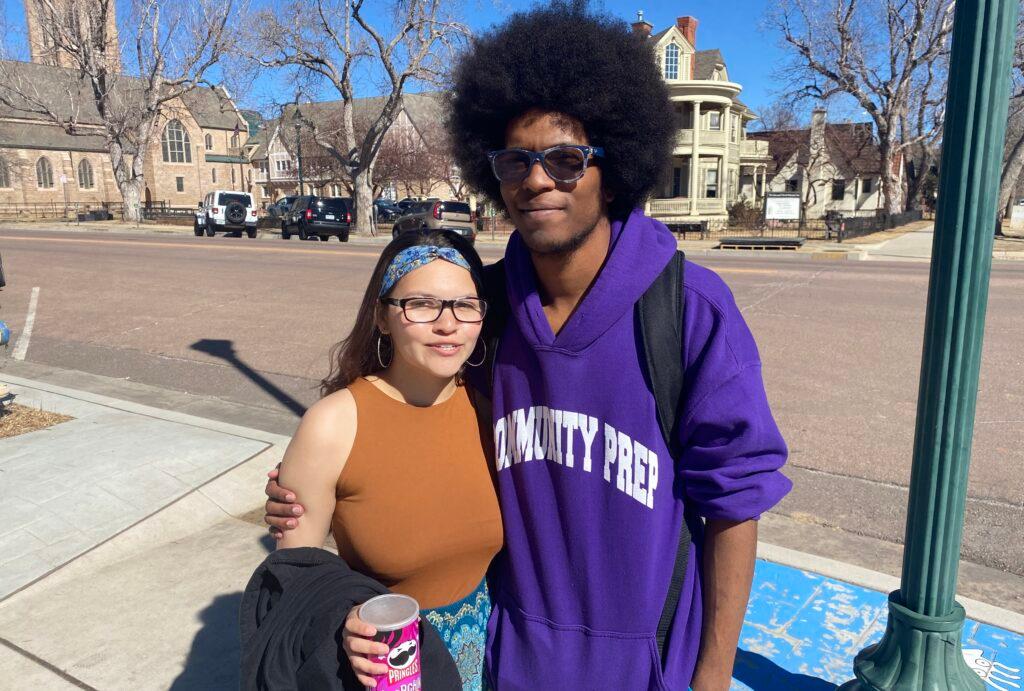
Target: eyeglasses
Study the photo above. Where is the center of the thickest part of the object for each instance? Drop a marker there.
(426, 310)
(564, 163)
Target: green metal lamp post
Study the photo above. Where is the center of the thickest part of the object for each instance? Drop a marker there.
(921, 646)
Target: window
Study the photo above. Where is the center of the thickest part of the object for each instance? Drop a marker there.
(225, 198)
(213, 175)
(209, 142)
(838, 190)
(234, 140)
(865, 186)
(5, 174)
(672, 61)
(179, 184)
(232, 176)
(85, 176)
(44, 174)
(732, 128)
(714, 120)
(793, 185)
(177, 148)
(266, 191)
(711, 184)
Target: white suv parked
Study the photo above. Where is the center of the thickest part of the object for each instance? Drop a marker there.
(226, 211)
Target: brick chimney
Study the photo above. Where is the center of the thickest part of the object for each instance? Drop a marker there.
(640, 27)
(688, 25)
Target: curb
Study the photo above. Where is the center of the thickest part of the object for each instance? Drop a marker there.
(873, 580)
(149, 411)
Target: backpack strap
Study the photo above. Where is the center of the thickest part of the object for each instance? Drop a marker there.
(498, 313)
(659, 319)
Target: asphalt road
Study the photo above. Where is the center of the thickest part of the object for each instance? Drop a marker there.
(251, 322)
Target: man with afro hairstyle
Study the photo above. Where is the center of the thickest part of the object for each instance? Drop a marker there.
(561, 117)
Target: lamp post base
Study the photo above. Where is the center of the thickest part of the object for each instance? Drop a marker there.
(917, 653)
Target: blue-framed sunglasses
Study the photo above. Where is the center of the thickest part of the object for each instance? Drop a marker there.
(563, 163)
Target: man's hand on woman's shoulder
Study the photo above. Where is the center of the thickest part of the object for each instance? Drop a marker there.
(282, 511)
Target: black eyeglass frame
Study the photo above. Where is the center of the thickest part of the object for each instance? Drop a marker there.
(541, 156)
(445, 304)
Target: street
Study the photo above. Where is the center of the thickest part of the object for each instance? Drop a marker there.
(250, 323)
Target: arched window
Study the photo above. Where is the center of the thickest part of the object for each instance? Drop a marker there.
(209, 142)
(44, 174)
(213, 175)
(5, 173)
(234, 140)
(85, 176)
(672, 61)
(176, 145)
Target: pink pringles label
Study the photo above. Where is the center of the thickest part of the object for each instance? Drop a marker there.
(403, 659)
(396, 618)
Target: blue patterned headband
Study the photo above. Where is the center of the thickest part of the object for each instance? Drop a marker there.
(413, 258)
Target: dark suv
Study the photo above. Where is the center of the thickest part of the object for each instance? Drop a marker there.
(311, 217)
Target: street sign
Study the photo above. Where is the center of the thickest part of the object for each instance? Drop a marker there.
(782, 206)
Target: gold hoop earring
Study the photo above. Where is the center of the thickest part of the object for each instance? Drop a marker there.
(380, 359)
(477, 364)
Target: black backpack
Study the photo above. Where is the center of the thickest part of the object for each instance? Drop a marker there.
(658, 315)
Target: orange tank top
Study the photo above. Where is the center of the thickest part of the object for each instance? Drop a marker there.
(417, 508)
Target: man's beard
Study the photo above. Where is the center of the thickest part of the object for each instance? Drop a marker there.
(565, 248)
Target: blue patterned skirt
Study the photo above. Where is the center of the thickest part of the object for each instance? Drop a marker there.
(463, 628)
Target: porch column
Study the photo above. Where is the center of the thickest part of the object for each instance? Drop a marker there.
(723, 183)
(695, 158)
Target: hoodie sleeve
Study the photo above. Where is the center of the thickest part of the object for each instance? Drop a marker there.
(732, 448)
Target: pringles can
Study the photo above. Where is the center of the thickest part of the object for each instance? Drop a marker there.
(397, 620)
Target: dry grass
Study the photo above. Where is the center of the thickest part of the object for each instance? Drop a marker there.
(19, 419)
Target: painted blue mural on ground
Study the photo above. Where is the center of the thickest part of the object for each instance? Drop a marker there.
(803, 630)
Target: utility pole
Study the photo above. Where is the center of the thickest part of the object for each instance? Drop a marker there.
(921, 646)
(298, 155)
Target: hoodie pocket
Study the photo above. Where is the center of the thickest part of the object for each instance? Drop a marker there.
(529, 652)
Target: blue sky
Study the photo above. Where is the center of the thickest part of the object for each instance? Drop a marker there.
(735, 27)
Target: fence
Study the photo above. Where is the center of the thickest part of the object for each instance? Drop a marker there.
(71, 211)
(838, 229)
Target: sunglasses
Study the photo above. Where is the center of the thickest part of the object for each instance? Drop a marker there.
(564, 163)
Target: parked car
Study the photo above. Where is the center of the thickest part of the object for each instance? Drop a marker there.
(226, 211)
(281, 206)
(386, 210)
(406, 203)
(438, 215)
(312, 217)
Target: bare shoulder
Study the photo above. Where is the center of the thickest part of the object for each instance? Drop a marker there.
(326, 433)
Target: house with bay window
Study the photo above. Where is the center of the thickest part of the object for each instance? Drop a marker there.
(714, 162)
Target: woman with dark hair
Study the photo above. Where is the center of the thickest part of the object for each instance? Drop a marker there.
(391, 461)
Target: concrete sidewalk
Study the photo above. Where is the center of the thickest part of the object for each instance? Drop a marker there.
(151, 601)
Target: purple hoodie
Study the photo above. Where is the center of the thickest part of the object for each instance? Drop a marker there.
(590, 498)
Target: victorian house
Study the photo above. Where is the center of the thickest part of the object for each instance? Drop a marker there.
(714, 162)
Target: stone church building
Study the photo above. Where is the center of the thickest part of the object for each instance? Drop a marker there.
(44, 169)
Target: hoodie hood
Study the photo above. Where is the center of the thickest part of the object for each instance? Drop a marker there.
(639, 249)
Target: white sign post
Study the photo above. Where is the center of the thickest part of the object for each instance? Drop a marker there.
(782, 206)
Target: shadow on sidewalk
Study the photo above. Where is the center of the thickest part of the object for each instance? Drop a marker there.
(214, 658)
(225, 350)
(761, 674)
(213, 661)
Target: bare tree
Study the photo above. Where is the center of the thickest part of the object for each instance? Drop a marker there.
(1013, 152)
(334, 38)
(172, 47)
(885, 54)
(780, 114)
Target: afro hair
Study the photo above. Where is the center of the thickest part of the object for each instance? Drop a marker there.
(564, 59)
